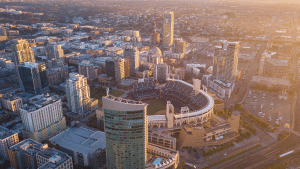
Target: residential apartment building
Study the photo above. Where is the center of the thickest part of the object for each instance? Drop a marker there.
(23, 51)
(7, 139)
(161, 72)
(32, 154)
(168, 29)
(78, 95)
(87, 69)
(132, 54)
(179, 46)
(11, 103)
(58, 75)
(42, 118)
(226, 61)
(54, 51)
(121, 69)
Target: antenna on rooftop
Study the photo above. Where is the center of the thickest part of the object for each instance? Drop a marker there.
(107, 91)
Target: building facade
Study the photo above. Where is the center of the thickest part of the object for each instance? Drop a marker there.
(78, 94)
(168, 29)
(161, 72)
(226, 61)
(7, 139)
(58, 75)
(121, 69)
(11, 103)
(126, 133)
(54, 51)
(134, 60)
(42, 118)
(32, 154)
(34, 77)
(23, 51)
(276, 68)
(179, 46)
(87, 69)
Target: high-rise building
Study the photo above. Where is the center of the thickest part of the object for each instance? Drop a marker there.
(33, 77)
(110, 68)
(161, 72)
(179, 46)
(78, 93)
(132, 54)
(7, 139)
(23, 51)
(42, 118)
(155, 36)
(121, 69)
(87, 69)
(32, 154)
(168, 29)
(58, 75)
(54, 51)
(3, 34)
(226, 61)
(126, 132)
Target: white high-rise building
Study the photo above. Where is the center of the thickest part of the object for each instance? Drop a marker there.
(78, 93)
(42, 117)
(168, 29)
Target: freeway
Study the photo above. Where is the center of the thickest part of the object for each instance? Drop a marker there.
(267, 155)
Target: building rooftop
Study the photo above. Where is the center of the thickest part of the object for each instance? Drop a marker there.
(278, 62)
(55, 157)
(28, 146)
(80, 139)
(119, 99)
(10, 97)
(4, 133)
(39, 102)
(128, 82)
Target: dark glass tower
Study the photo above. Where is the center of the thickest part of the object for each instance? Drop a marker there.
(34, 77)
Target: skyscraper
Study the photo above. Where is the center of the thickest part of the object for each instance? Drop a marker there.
(179, 46)
(42, 117)
(132, 54)
(54, 52)
(78, 93)
(226, 61)
(155, 36)
(126, 133)
(161, 72)
(168, 29)
(3, 34)
(34, 77)
(23, 51)
(87, 69)
(121, 69)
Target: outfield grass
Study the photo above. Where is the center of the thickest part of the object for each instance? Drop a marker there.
(98, 93)
(155, 106)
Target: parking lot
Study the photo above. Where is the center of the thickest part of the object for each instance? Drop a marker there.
(268, 106)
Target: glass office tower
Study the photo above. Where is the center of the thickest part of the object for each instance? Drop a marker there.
(126, 133)
(34, 77)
